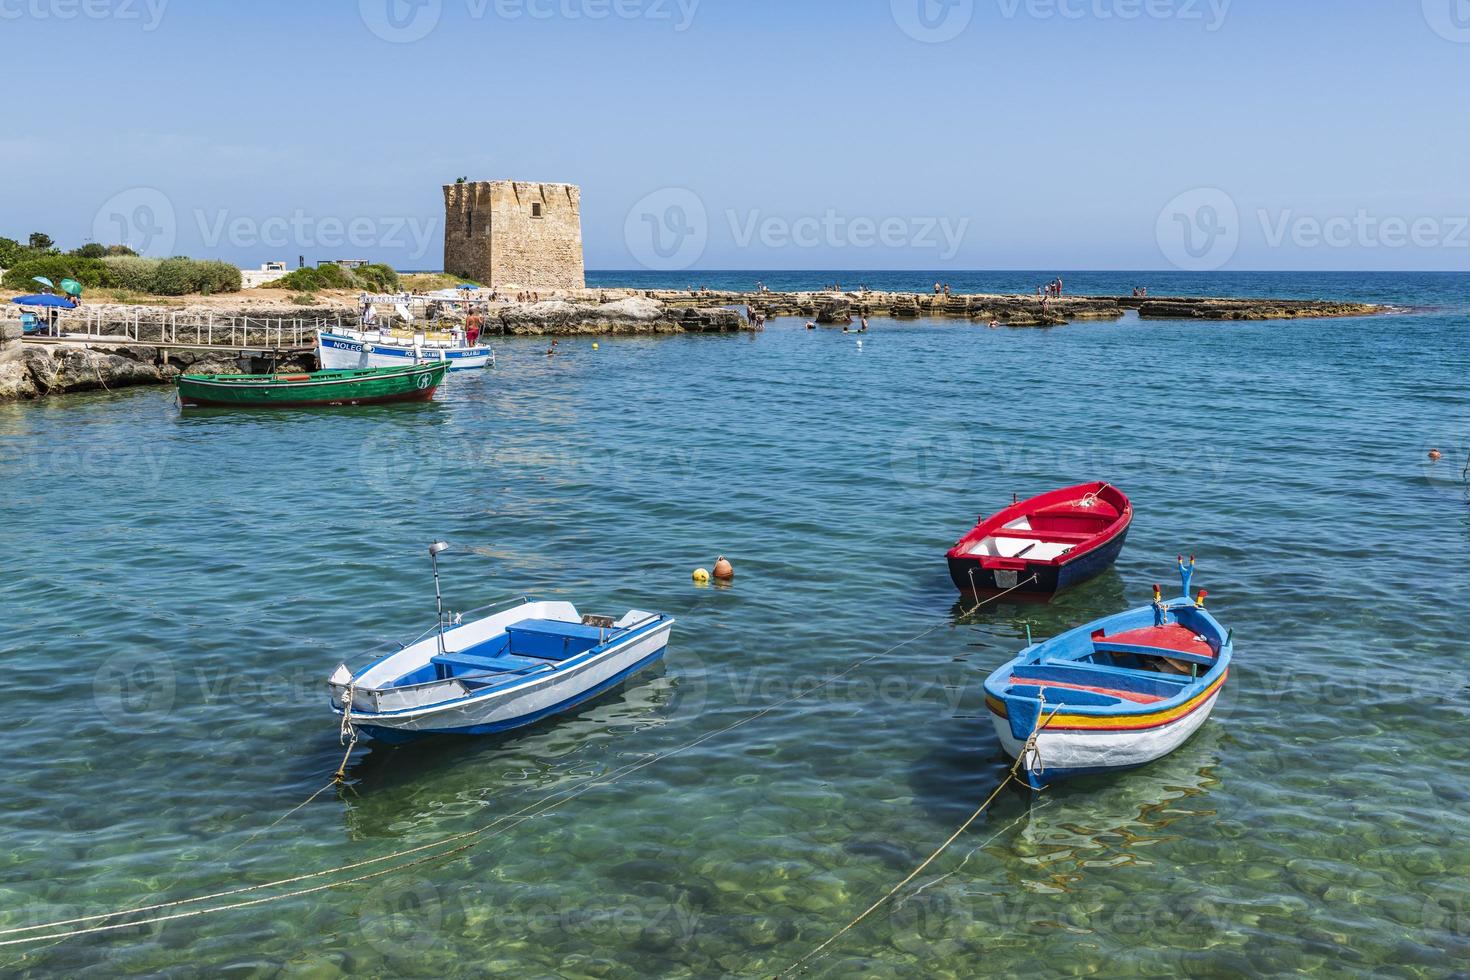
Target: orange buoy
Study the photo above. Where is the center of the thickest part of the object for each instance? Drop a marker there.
(724, 571)
(1436, 455)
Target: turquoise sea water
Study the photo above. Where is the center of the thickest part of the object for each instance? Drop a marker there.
(176, 588)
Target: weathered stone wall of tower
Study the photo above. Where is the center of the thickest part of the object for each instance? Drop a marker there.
(515, 235)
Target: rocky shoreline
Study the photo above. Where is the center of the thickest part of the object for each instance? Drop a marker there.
(34, 370)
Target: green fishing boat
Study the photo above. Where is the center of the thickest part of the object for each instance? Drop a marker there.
(370, 386)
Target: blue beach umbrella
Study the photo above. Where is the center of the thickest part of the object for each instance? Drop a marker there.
(60, 302)
(44, 281)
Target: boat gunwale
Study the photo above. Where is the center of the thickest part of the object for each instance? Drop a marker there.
(360, 376)
(1198, 689)
(1029, 507)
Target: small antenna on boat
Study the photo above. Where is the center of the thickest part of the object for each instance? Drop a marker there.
(435, 550)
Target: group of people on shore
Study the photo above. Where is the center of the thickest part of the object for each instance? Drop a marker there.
(1140, 292)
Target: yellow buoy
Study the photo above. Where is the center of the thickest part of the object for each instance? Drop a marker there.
(595, 347)
(701, 576)
(724, 571)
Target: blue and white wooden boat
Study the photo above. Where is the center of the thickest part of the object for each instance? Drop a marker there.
(346, 349)
(513, 668)
(1114, 694)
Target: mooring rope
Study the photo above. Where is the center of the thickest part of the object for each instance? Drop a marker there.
(1010, 777)
(464, 841)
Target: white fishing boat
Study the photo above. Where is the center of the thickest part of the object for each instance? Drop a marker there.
(348, 349)
(526, 662)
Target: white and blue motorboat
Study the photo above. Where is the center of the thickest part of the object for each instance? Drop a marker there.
(526, 662)
(345, 349)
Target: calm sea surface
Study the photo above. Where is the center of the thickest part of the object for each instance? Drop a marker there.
(176, 588)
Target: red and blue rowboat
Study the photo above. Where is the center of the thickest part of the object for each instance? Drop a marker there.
(1115, 694)
(1046, 544)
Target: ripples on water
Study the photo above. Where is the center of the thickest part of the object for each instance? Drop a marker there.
(177, 587)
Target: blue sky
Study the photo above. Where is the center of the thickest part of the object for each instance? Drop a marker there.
(1067, 134)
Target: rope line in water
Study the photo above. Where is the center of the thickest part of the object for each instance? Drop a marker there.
(1009, 778)
(465, 840)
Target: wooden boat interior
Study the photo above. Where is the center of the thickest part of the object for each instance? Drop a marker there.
(1140, 665)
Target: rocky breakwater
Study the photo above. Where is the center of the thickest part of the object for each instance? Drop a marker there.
(1194, 308)
(635, 315)
(1013, 310)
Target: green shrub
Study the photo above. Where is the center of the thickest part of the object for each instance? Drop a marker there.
(218, 277)
(91, 273)
(310, 280)
(303, 299)
(378, 278)
(175, 277)
(91, 250)
(131, 273)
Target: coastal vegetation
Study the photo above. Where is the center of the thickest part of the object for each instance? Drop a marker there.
(112, 267)
(372, 278)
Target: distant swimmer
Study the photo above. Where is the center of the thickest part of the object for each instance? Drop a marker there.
(811, 325)
(865, 326)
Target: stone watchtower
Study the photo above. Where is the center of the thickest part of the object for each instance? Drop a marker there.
(511, 235)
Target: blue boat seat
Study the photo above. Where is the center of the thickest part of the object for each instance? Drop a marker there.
(452, 665)
(1130, 684)
(548, 639)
